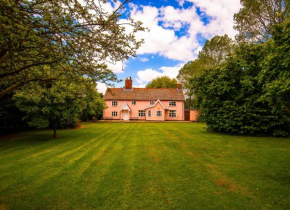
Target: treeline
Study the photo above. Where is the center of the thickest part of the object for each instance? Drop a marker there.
(52, 53)
(243, 86)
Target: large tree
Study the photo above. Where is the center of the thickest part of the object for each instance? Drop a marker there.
(255, 19)
(60, 105)
(213, 53)
(249, 94)
(77, 36)
(162, 82)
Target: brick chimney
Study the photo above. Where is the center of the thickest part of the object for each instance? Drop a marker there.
(128, 83)
(178, 86)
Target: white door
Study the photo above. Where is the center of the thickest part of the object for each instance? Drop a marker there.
(125, 115)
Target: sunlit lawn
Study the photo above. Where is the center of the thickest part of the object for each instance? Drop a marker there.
(143, 166)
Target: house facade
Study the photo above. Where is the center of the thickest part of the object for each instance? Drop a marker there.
(152, 104)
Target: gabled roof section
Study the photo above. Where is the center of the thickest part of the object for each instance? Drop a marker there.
(145, 94)
(158, 101)
(125, 107)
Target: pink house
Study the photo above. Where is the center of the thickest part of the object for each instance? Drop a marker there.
(157, 104)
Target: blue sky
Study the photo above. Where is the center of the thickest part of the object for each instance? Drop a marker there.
(178, 30)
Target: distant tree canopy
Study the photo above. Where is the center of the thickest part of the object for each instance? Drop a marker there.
(68, 36)
(162, 82)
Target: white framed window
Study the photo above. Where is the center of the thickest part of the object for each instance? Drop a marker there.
(172, 113)
(141, 113)
(114, 103)
(114, 114)
(149, 113)
(133, 102)
(172, 103)
(159, 113)
(152, 102)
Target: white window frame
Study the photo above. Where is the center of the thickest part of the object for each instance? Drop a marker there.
(172, 103)
(158, 111)
(149, 113)
(133, 102)
(114, 114)
(114, 103)
(152, 102)
(141, 113)
(172, 113)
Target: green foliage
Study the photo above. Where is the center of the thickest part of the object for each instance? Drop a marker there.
(44, 40)
(214, 53)
(60, 106)
(162, 82)
(275, 75)
(255, 19)
(249, 94)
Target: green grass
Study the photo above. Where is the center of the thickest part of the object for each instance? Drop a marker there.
(143, 166)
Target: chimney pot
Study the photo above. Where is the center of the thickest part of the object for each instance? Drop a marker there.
(128, 84)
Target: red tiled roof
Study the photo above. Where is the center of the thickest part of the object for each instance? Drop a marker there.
(145, 94)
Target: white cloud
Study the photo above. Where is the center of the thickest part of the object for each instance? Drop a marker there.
(143, 59)
(116, 67)
(180, 2)
(139, 86)
(148, 75)
(165, 22)
(161, 39)
(101, 87)
(222, 12)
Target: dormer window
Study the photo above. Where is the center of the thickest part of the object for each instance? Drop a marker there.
(114, 103)
(172, 103)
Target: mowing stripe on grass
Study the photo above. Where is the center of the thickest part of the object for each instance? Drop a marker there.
(144, 166)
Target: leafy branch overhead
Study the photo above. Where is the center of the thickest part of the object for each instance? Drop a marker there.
(66, 35)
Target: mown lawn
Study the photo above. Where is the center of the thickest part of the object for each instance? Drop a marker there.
(143, 166)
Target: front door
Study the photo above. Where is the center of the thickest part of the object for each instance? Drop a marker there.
(125, 115)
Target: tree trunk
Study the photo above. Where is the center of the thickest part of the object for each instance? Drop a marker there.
(54, 131)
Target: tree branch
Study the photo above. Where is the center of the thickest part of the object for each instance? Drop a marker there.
(13, 87)
(25, 67)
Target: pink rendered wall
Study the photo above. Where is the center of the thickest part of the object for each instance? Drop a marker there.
(140, 105)
(154, 110)
(179, 110)
(193, 115)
